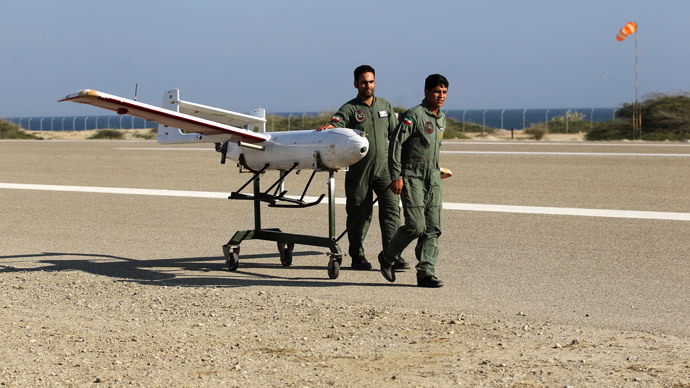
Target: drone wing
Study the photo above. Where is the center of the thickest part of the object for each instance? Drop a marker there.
(165, 116)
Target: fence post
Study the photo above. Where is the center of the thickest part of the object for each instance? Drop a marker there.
(591, 120)
(523, 119)
(484, 120)
(463, 120)
(502, 126)
(547, 119)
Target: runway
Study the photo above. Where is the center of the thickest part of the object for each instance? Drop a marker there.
(574, 233)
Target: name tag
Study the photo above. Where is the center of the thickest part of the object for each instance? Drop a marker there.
(383, 113)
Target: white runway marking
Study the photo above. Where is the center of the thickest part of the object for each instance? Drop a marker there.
(569, 144)
(452, 152)
(562, 153)
(649, 215)
(565, 211)
(164, 149)
(116, 190)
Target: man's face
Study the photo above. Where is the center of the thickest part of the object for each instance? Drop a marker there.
(436, 96)
(365, 85)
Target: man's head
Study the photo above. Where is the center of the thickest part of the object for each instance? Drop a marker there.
(364, 81)
(435, 90)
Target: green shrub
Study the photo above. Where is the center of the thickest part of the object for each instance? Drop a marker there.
(454, 129)
(108, 134)
(621, 129)
(662, 112)
(537, 131)
(9, 130)
(150, 135)
(664, 116)
(611, 130)
(569, 122)
(570, 126)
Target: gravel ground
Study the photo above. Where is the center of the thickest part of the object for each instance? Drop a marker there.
(75, 329)
(66, 326)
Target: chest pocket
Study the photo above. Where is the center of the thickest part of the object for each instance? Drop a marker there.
(359, 120)
(432, 130)
(426, 133)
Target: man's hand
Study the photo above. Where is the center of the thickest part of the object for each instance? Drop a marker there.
(397, 186)
(325, 126)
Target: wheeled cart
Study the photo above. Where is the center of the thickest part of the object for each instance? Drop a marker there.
(285, 241)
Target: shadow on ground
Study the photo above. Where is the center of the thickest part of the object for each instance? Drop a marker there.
(184, 272)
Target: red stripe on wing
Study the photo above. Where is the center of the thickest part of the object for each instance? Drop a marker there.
(162, 116)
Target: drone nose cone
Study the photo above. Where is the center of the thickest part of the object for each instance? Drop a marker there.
(362, 144)
(346, 147)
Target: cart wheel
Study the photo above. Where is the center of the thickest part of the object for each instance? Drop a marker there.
(333, 269)
(285, 253)
(232, 257)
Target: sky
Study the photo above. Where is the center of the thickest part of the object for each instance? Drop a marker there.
(299, 55)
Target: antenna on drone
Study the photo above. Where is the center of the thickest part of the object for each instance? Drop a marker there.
(136, 88)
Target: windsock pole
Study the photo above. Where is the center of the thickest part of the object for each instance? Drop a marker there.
(631, 28)
(638, 115)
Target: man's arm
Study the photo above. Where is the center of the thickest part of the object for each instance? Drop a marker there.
(402, 132)
(338, 120)
(392, 122)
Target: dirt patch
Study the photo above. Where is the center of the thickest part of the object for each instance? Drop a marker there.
(71, 328)
(129, 134)
(506, 135)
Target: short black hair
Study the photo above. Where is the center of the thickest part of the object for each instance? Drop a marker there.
(363, 69)
(435, 80)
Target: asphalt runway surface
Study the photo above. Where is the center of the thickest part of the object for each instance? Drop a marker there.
(585, 234)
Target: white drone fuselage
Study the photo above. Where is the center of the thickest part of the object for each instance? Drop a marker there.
(243, 136)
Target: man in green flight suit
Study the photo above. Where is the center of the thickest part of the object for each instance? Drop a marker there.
(375, 117)
(413, 163)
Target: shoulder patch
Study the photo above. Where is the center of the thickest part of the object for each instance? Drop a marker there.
(408, 120)
(335, 119)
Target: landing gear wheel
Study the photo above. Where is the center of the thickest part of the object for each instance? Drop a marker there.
(334, 266)
(232, 257)
(285, 253)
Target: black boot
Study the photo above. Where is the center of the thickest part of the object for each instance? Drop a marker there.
(386, 268)
(361, 263)
(429, 282)
(401, 265)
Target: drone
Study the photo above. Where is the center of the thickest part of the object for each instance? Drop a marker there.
(243, 138)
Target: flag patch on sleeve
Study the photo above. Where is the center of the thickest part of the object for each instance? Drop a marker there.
(335, 119)
(408, 120)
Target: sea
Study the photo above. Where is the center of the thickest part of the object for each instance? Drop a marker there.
(492, 118)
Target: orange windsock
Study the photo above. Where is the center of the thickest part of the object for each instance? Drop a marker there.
(628, 28)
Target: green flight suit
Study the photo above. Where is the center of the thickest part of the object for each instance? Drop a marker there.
(369, 174)
(413, 156)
